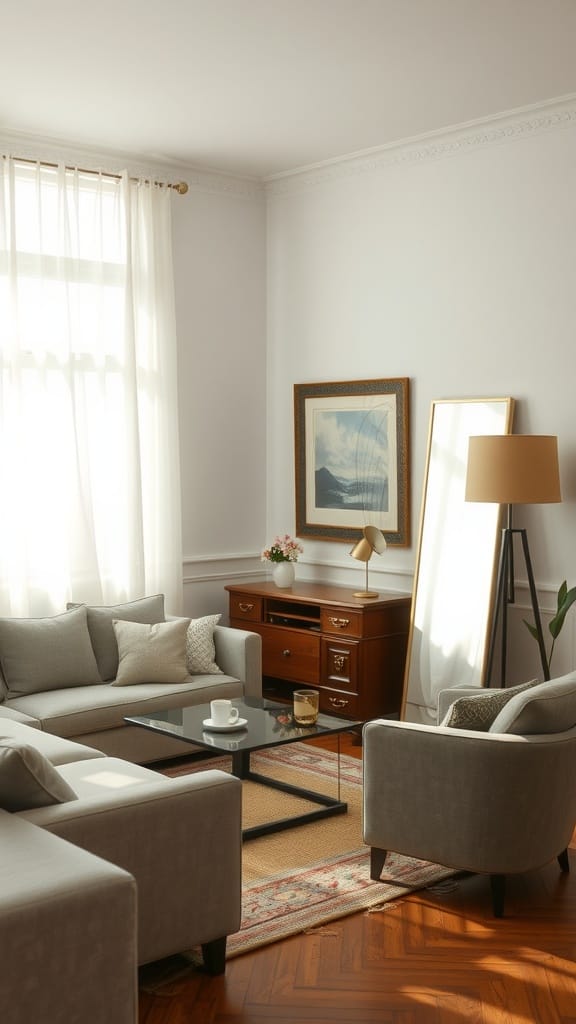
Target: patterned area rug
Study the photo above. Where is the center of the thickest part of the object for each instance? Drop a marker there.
(303, 878)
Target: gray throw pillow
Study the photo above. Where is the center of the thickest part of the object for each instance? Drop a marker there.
(28, 780)
(547, 708)
(47, 654)
(147, 609)
(151, 653)
(479, 710)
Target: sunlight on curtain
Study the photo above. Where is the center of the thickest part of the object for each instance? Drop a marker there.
(89, 462)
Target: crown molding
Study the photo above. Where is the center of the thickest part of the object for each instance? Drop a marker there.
(510, 126)
(54, 150)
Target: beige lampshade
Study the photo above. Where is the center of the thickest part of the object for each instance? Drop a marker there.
(513, 469)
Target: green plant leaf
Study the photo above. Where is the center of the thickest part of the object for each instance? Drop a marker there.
(568, 599)
(531, 629)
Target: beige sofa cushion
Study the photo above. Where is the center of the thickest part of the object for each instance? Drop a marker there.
(151, 654)
(48, 653)
(101, 630)
(27, 779)
(54, 748)
(106, 776)
(89, 709)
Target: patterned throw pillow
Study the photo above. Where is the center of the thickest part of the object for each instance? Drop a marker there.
(479, 710)
(200, 649)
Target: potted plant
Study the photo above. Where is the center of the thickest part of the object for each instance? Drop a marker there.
(565, 599)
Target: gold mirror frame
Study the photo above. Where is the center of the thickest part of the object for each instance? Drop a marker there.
(453, 592)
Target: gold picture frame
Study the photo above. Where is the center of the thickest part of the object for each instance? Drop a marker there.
(352, 459)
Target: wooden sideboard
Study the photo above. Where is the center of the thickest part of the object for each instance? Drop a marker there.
(351, 649)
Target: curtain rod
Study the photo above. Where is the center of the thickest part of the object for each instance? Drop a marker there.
(181, 187)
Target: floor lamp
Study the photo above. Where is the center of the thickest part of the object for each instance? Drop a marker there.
(513, 469)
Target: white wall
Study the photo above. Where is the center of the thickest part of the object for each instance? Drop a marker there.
(219, 256)
(451, 262)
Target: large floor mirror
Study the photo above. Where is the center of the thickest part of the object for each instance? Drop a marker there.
(457, 549)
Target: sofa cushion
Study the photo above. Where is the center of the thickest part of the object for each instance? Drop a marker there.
(89, 709)
(478, 710)
(547, 708)
(151, 654)
(98, 778)
(100, 618)
(54, 748)
(27, 779)
(200, 649)
(47, 654)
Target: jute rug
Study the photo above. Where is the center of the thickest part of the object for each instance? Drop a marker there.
(302, 878)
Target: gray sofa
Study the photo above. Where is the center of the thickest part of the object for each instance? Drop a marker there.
(62, 674)
(105, 865)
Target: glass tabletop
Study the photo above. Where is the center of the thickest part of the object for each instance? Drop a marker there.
(267, 724)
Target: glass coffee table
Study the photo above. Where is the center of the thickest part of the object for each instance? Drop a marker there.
(268, 724)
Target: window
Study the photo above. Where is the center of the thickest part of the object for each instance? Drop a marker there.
(88, 434)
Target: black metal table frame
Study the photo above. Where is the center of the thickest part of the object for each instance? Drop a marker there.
(329, 805)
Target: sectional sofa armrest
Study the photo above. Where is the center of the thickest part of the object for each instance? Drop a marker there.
(239, 654)
(17, 716)
(67, 931)
(180, 838)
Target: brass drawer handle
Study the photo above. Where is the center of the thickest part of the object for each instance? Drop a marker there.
(338, 623)
(286, 653)
(245, 607)
(338, 702)
(339, 662)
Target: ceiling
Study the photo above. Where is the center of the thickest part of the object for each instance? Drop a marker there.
(260, 87)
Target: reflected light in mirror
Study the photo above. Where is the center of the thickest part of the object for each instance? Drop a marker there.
(455, 567)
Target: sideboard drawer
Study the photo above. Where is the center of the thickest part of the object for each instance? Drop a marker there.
(290, 654)
(341, 621)
(243, 606)
(337, 702)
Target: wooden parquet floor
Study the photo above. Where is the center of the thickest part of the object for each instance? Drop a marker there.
(434, 957)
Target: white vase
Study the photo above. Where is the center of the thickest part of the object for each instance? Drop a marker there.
(283, 574)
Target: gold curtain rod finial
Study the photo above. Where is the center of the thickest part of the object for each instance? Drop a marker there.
(181, 187)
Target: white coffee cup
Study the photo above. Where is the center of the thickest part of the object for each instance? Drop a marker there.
(222, 712)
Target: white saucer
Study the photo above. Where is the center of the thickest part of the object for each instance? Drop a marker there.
(231, 727)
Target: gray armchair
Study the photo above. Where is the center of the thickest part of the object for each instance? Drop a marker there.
(497, 802)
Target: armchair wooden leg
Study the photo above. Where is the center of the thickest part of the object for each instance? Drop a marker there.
(498, 887)
(214, 954)
(564, 861)
(377, 859)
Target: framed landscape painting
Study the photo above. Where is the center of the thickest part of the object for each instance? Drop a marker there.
(352, 463)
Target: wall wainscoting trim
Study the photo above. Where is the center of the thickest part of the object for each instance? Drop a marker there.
(509, 126)
(245, 567)
(546, 594)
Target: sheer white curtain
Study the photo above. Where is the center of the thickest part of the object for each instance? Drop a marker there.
(89, 463)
